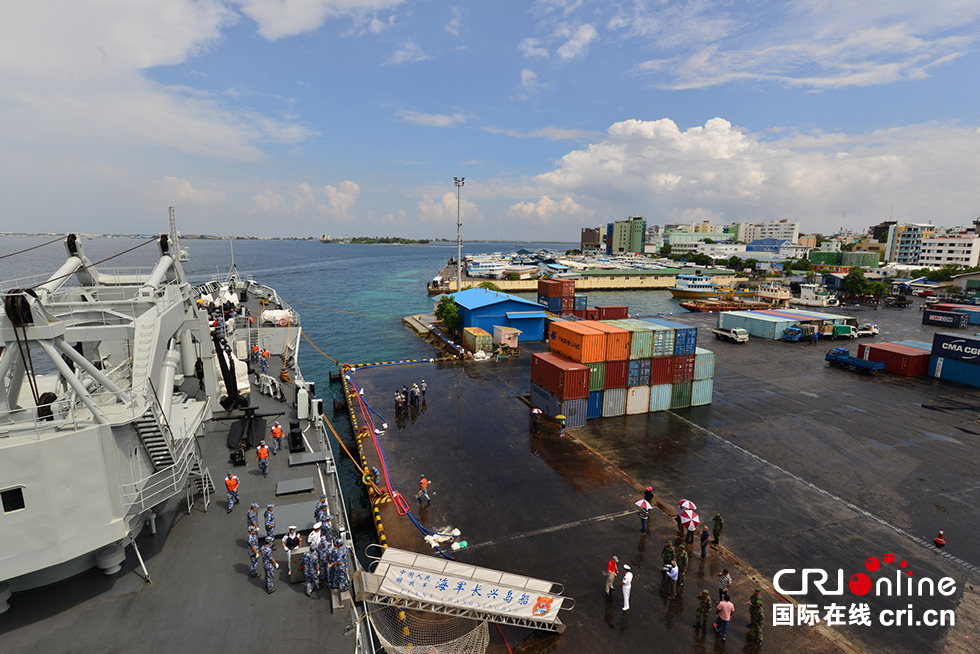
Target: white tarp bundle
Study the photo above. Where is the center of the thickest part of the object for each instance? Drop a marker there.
(228, 295)
(276, 316)
(241, 375)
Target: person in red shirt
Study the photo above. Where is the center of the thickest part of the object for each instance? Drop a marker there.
(612, 569)
(725, 610)
(423, 489)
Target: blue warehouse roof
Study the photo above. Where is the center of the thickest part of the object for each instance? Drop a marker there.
(476, 298)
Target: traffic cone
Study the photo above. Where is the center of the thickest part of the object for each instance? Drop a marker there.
(939, 540)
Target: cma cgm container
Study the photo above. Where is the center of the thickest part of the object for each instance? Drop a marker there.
(566, 379)
(972, 312)
(685, 336)
(637, 400)
(701, 392)
(617, 340)
(661, 370)
(613, 313)
(660, 396)
(945, 318)
(577, 341)
(575, 411)
(617, 374)
(594, 409)
(683, 369)
(954, 370)
(639, 373)
(613, 402)
(898, 359)
(597, 376)
(954, 346)
(704, 364)
(641, 338)
(681, 395)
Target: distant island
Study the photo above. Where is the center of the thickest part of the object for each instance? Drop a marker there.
(388, 239)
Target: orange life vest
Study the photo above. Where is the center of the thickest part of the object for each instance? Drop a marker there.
(262, 452)
(231, 483)
(277, 431)
(423, 484)
(255, 349)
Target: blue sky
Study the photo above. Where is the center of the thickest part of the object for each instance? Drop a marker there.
(304, 117)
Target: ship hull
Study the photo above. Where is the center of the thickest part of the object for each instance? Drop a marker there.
(704, 295)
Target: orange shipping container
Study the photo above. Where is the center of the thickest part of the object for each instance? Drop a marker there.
(617, 340)
(577, 342)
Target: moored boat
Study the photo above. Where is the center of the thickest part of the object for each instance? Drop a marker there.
(703, 287)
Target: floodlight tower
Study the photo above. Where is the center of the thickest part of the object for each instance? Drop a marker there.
(458, 181)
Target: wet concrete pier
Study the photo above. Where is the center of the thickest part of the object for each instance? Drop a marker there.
(811, 466)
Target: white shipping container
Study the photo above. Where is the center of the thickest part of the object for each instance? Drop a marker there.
(613, 402)
(660, 397)
(637, 400)
(704, 364)
(701, 391)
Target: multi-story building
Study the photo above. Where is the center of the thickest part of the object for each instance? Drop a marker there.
(591, 240)
(958, 249)
(628, 235)
(784, 230)
(905, 242)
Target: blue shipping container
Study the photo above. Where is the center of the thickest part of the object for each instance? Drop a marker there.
(701, 392)
(685, 336)
(919, 345)
(704, 364)
(639, 372)
(575, 411)
(945, 318)
(581, 302)
(954, 370)
(660, 396)
(595, 405)
(954, 346)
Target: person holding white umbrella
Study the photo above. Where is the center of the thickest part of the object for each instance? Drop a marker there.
(645, 507)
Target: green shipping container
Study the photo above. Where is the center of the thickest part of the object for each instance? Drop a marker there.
(598, 375)
(681, 395)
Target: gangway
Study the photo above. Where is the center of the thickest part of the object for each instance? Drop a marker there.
(425, 583)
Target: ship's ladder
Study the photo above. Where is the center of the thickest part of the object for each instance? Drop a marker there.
(155, 442)
(202, 481)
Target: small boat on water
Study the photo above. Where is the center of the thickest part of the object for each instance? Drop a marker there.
(714, 305)
(813, 295)
(703, 287)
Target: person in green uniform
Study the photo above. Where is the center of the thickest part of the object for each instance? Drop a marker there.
(667, 555)
(683, 559)
(757, 617)
(719, 525)
(704, 609)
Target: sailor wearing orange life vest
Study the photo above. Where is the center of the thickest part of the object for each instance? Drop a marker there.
(265, 361)
(231, 484)
(255, 353)
(276, 437)
(262, 456)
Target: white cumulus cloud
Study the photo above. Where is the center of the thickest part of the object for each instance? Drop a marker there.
(443, 210)
(340, 200)
(431, 120)
(281, 18)
(408, 53)
(578, 41)
(547, 211)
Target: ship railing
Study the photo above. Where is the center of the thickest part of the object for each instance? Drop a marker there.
(151, 490)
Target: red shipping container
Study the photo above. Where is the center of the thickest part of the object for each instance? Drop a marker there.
(550, 287)
(613, 313)
(567, 288)
(617, 340)
(662, 371)
(683, 368)
(591, 314)
(567, 304)
(563, 377)
(899, 359)
(580, 313)
(617, 374)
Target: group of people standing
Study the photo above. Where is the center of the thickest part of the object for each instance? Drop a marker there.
(408, 398)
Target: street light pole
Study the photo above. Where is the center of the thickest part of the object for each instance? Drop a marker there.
(458, 181)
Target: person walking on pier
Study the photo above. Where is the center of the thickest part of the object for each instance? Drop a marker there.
(398, 403)
(255, 354)
(253, 516)
(672, 571)
(270, 522)
(535, 419)
(311, 572)
(757, 617)
(719, 525)
(276, 437)
(231, 485)
(270, 565)
(422, 387)
(683, 560)
(612, 569)
(423, 489)
(724, 583)
(704, 608)
(405, 395)
(724, 612)
(262, 456)
(627, 584)
(704, 542)
(252, 543)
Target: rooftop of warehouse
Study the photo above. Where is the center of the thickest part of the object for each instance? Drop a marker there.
(475, 298)
(661, 271)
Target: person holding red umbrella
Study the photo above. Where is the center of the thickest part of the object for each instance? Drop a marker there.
(645, 507)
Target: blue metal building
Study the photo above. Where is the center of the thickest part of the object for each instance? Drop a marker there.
(479, 307)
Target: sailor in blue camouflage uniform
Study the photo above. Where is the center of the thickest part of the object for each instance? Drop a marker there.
(252, 543)
(338, 565)
(253, 516)
(270, 522)
(323, 550)
(311, 572)
(270, 565)
(321, 510)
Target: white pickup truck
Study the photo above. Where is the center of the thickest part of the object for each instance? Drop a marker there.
(868, 329)
(735, 334)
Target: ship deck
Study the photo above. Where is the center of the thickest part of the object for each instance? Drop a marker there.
(811, 466)
(202, 598)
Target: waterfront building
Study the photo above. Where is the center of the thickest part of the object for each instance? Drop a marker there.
(958, 249)
(627, 235)
(905, 242)
(483, 308)
(591, 241)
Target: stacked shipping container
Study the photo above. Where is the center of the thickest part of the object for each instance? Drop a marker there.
(633, 366)
(956, 358)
